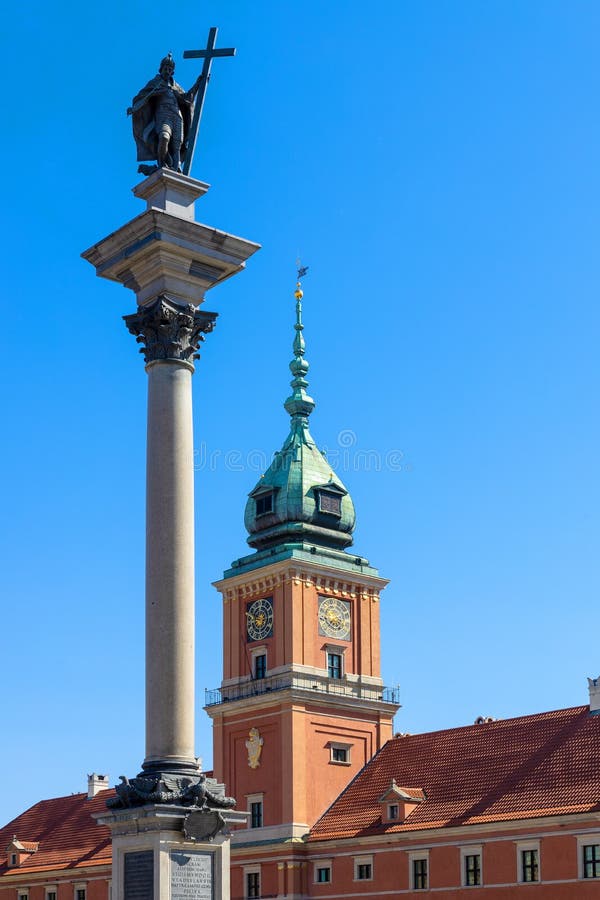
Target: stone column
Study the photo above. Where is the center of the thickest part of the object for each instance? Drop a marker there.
(171, 333)
(169, 823)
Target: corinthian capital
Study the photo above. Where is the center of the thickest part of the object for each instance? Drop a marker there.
(170, 330)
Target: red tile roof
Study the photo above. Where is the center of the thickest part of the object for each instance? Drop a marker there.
(68, 837)
(540, 765)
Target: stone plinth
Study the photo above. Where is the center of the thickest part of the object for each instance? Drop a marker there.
(154, 859)
(164, 251)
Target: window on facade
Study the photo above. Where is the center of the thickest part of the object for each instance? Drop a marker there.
(472, 869)
(256, 814)
(264, 504)
(364, 871)
(339, 754)
(530, 865)
(252, 884)
(591, 860)
(23, 896)
(50, 895)
(393, 812)
(260, 665)
(419, 874)
(323, 875)
(334, 665)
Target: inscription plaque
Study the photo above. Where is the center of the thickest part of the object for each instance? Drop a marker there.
(191, 875)
(138, 880)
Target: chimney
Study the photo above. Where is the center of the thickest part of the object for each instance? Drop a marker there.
(594, 688)
(96, 783)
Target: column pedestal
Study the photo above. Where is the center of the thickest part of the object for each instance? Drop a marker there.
(157, 857)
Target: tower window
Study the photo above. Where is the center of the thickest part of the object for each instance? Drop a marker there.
(260, 665)
(256, 814)
(264, 504)
(339, 754)
(330, 503)
(591, 860)
(334, 665)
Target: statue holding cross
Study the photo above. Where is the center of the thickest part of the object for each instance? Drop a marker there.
(166, 119)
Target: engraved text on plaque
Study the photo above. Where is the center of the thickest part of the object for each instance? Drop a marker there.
(191, 875)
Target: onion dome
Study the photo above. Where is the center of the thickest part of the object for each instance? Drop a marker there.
(299, 500)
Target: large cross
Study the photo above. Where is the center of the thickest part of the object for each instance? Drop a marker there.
(207, 55)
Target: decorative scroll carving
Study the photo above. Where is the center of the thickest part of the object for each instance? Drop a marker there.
(170, 330)
(179, 790)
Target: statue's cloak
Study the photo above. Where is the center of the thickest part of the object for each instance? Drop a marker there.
(143, 118)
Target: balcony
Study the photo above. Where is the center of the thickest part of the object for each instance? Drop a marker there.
(315, 684)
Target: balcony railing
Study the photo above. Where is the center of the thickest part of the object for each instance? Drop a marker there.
(316, 684)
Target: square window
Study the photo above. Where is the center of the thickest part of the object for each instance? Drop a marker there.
(323, 875)
(260, 666)
(419, 874)
(472, 869)
(364, 871)
(264, 504)
(252, 884)
(530, 865)
(591, 860)
(256, 814)
(334, 665)
(339, 754)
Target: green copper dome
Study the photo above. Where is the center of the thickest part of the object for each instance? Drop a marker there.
(299, 500)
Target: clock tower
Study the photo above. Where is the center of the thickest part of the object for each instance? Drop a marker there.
(302, 706)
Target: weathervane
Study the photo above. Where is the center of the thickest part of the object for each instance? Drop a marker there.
(166, 120)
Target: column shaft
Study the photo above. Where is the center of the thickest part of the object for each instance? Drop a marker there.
(169, 567)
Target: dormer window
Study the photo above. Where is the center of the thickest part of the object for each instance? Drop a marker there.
(13, 859)
(264, 504)
(329, 499)
(330, 503)
(398, 802)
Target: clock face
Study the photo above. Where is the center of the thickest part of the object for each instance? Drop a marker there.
(334, 618)
(259, 619)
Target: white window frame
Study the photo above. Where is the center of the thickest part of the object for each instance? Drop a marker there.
(252, 870)
(322, 864)
(586, 840)
(363, 861)
(336, 650)
(255, 798)
(471, 850)
(523, 846)
(80, 886)
(339, 745)
(412, 856)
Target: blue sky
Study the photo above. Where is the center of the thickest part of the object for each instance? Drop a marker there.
(436, 165)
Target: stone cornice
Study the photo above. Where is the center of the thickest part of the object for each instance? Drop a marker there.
(329, 581)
